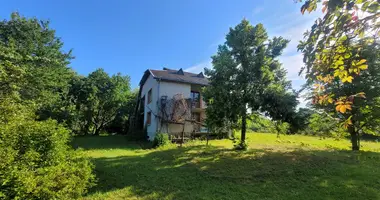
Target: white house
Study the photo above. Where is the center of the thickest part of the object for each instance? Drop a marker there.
(171, 102)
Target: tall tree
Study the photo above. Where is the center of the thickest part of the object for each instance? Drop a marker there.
(244, 68)
(280, 104)
(39, 53)
(337, 59)
(300, 120)
(36, 160)
(99, 99)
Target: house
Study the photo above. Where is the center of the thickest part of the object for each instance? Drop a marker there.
(170, 101)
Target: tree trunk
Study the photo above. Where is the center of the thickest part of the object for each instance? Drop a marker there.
(183, 134)
(243, 126)
(277, 124)
(97, 131)
(354, 138)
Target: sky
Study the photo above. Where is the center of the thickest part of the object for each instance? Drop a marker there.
(131, 36)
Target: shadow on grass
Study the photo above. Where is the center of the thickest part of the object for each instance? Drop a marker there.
(107, 142)
(200, 172)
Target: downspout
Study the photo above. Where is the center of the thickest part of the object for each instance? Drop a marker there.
(158, 102)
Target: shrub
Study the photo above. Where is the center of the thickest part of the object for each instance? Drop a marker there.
(37, 162)
(161, 139)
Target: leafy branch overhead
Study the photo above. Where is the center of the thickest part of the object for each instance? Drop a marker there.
(334, 53)
(329, 45)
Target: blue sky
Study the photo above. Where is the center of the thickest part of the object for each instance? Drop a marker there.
(131, 36)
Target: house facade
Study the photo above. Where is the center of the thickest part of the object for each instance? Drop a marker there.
(171, 102)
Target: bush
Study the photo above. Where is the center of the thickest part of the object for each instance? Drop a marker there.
(324, 126)
(161, 139)
(37, 162)
(241, 146)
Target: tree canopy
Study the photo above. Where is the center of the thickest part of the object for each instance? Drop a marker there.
(246, 75)
(339, 66)
(36, 159)
(99, 99)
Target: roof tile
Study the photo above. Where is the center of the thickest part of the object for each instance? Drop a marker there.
(173, 75)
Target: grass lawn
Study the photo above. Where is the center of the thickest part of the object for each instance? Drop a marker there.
(294, 167)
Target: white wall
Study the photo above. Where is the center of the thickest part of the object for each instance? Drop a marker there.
(150, 83)
(170, 89)
(162, 88)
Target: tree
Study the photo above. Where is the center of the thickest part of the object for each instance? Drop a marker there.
(100, 98)
(121, 122)
(336, 55)
(10, 73)
(245, 67)
(259, 123)
(300, 120)
(323, 125)
(280, 104)
(36, 52)
(36, 160)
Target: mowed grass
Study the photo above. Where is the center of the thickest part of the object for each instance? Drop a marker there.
(292, 167)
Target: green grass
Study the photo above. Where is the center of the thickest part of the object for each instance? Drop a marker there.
(294, 167)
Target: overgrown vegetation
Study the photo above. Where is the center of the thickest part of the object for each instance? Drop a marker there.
(36, 160)
(160, 140)
(341, 56)
(102, 102)
(37, 163)
(294, 167)
(43, 102)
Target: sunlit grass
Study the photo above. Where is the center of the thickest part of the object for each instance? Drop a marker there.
(291, 167)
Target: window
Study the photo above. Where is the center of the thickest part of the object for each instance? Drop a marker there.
(149, 96)
(148, 118)
(195, 97)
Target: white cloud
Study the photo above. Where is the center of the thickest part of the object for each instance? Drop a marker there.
(293, 65)
(292, 26)
(257, 10)
(199, 67)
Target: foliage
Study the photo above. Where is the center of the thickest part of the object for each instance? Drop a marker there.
(29, 47)
(36, 162)
(336, 59)
(245, 72)
(34, 68)
(259, 123)
(100, 99)
(323, 125)
(280, 105)
(281, 128)
(120, 124)
(240, 146)
(297, 167)
(300, 120)
(161, 139)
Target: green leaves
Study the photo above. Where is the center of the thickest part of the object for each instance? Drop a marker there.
(99, 99)
(36, 161)
(244, 69)
(334, 57)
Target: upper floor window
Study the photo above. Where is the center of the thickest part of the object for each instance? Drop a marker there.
(195, 99)
(149, 96)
